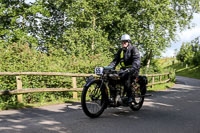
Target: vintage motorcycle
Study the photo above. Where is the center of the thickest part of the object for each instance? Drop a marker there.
(107, 91)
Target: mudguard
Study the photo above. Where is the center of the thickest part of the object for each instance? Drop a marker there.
(89, 80)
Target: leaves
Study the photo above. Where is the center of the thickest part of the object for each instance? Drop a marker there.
(151, 24)
(190, 52)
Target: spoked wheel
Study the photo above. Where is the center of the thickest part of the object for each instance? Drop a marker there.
(93, 99)
(138, 97)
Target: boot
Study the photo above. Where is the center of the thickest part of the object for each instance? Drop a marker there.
(130, 100)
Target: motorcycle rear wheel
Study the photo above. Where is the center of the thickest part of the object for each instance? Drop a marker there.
(93, 99)
(138, 98)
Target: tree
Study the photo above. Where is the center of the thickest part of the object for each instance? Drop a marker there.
(186, 54)
(48, 22)
(13, 25)
(190, 52)
(84, 27)
(196, 50)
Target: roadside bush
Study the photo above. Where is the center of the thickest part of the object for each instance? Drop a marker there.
(19, 57)
(155, 67)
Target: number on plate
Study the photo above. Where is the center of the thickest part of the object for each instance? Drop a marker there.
(99, 70)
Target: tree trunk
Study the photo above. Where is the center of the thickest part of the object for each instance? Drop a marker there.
(149, 58)
(94, 25)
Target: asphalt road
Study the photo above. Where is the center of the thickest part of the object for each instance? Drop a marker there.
(176, 110)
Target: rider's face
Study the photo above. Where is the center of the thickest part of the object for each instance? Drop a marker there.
(124, 44)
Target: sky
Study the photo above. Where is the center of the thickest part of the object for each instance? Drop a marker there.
(185, 36)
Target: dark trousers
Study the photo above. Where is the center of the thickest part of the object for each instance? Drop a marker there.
(127, 82)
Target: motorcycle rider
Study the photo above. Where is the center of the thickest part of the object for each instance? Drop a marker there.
(129, 58)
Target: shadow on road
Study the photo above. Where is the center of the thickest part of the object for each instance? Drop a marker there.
(48, 118)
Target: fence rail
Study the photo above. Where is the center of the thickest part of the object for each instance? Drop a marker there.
(20, 90)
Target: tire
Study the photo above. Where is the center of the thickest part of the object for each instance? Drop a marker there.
(138, 99)
(93, 99)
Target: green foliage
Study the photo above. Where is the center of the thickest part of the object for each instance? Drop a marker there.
(20, 57)
(76, 23)
(190, 52)
(160, 87)
(185, 54)
(191, 71)
(160, 65)
(155, 67)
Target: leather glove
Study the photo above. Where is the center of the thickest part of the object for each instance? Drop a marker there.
(123, 74)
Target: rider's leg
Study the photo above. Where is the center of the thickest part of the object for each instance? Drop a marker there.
(112, 91)
(128, 87)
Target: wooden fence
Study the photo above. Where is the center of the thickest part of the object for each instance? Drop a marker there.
(20, 90)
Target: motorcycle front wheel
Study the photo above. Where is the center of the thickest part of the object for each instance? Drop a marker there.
(93, 99)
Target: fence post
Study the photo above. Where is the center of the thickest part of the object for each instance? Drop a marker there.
(19, 86)
(152, 81)
(169, 75)
(75, 94)
(160, 78)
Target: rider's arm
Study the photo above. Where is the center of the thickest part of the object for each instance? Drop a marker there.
(116, 60)
(135, 59)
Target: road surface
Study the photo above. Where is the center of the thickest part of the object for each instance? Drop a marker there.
(176, 110)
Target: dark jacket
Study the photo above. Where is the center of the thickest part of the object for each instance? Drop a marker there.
(131, 58)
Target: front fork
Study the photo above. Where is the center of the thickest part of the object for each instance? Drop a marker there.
(104, 91)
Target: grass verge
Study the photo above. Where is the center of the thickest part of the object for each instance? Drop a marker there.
(160, 87)
(191, 72)
(34, 105)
